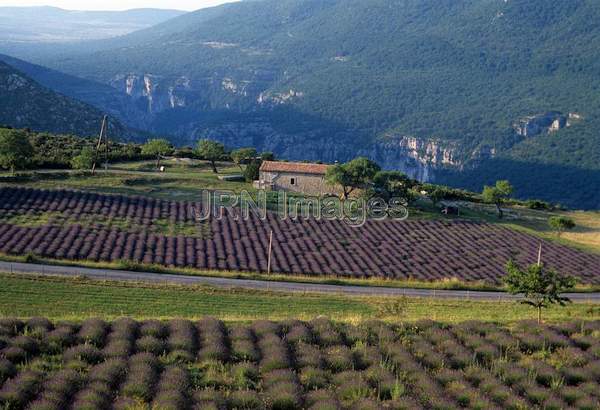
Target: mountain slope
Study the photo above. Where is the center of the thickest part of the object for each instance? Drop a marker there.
(26, 104)
(101, 96)
(427, 86)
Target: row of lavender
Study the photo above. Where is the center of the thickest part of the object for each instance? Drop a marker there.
(293, 365)
(422, 250)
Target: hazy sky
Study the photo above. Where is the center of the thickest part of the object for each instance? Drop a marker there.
(116, 4)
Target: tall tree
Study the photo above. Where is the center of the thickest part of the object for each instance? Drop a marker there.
(243, 155)
(356, 174)
(211, 151)
(158, 148)
(497, 195)
(539, 286)
(560, 224)
(393, 184)
(15, 149)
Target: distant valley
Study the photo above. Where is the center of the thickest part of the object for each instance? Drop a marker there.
(53, 25)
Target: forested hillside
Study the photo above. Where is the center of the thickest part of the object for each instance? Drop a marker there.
(430, 87)
(27, 104)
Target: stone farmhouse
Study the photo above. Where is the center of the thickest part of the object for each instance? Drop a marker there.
(306, 178)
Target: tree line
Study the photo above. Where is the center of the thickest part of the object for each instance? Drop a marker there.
(22, 149)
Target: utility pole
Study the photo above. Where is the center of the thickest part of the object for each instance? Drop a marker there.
(270, 251)
(540, 255)
(103, 135)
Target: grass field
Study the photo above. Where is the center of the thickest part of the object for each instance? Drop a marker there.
(75, 299)
(181, 181)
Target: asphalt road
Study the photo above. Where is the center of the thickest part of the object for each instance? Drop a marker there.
(122, 275)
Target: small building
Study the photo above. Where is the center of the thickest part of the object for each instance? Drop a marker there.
(306, 178)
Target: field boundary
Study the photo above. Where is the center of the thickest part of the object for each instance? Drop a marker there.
(270, 286)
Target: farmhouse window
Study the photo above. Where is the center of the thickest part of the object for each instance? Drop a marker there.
(293, 181)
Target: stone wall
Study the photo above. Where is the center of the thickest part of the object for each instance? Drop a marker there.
(309, 184)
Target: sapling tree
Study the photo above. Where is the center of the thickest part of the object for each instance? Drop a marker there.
(243, 156)
(540, 287)
(497, 195)
(85, 159)
(211, 151)
(15, 149)
(559, 224)
(158, 148)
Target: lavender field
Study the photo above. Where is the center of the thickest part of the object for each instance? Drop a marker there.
(110, 228)
(320, 364)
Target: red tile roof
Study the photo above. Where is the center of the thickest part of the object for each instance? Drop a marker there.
(294, 167)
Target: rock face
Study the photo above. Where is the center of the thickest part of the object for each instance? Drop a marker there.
(541, 123)
(246, 102)
(155, 93)
(416, 157)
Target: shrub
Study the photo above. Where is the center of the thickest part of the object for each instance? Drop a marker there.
(284, 396)
(117, 348)
(245, 375)
(339, 358)
(150, 344)
(95, 396)
(153, 328)
(182, 336)
(207, 398)
(140, 382)
(587, 403)
(313, 378)
(571, 394)
(245, 399)
(10, 326)
(26, 343)
(39, 322)
(86, 353)
(14, 354)
(299, 333)
(574, 376)
(244, 350)
(7, 370)
(60, 338)
(308, 356)
(18, 391)
(110, 373)
(179, 357)
(351, 386)
(537, 395)
(93, 331)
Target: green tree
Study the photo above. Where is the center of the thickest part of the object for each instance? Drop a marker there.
(243, 155)
(211, 151)
(267, 156)
(560, 224)
(437, 193)
(15, 149)
(158, 148)
(356, 174)
(252, 171)
(497, 195)
(84, 160)
(539, 286)
(393, 184)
